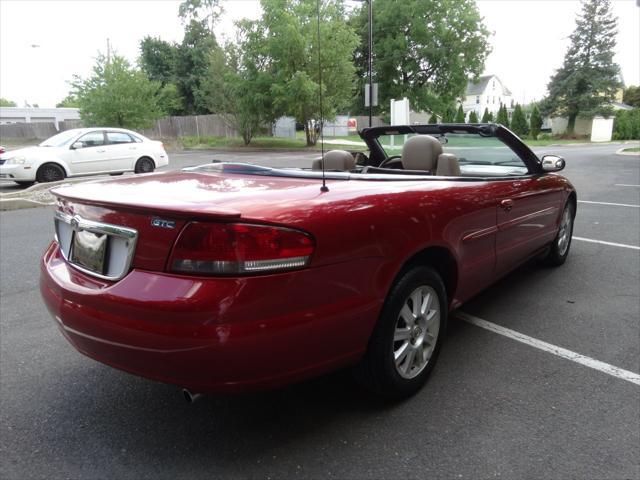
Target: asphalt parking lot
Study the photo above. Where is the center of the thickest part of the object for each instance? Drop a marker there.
(495, 407)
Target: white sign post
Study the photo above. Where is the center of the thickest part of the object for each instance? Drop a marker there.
(400, 113)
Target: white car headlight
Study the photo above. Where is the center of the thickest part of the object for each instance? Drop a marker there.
(16, 161)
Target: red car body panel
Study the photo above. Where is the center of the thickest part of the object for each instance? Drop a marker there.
(222, 334)
(239, 333)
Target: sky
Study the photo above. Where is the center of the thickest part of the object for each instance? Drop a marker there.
(43, 43)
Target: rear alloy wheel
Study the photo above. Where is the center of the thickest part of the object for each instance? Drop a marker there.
(406, 341)
(144, 165)
(50, 172)
(559, 249)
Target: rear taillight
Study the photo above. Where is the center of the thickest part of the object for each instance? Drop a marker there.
(238, 248)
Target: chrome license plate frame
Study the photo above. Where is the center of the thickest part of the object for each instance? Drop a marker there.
(89, 250)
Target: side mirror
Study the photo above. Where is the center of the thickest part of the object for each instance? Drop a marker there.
(552, 163)
(77, 145)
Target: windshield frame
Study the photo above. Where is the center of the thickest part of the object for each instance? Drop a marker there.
(378, 154)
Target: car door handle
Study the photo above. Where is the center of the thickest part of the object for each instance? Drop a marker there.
(133, 148)
(506, 205)
(102, 150)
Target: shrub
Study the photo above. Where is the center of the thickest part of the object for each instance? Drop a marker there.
(503, 116)
(519, 121)
(626, 125)
(535, 122)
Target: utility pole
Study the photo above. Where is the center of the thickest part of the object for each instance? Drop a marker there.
(108, 52)
(370, 2)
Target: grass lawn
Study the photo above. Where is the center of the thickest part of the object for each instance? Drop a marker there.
(632, 149)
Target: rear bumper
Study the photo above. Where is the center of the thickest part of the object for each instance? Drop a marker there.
(215, 335)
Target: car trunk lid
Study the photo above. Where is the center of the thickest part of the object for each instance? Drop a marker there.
(158, 206)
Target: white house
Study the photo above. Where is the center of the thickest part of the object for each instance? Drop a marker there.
(487, 92)
(37, 115)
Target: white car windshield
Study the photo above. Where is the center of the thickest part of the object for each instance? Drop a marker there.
(60, 139)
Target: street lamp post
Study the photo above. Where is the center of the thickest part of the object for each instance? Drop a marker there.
(370, 61)
(369, 3)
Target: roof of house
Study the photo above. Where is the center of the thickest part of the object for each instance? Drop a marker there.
(621, 106)
(478, 87)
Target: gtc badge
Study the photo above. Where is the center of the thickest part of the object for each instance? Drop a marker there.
(158, 222)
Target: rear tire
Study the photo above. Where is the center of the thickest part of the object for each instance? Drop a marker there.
(144, 165)
(406, 341)
(50, 172)
(559, 248)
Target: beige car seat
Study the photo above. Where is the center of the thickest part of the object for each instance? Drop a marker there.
(421, 153)
(448, 165)
(335, 160)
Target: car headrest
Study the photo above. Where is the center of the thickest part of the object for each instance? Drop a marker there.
(421, 153)
(448, 165)
(335, 160)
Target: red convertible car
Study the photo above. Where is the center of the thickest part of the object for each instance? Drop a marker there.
(230, 277)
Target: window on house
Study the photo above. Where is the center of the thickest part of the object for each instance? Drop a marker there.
(494, 84)
(477, 98)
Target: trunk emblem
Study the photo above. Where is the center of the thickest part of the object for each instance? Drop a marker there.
(159, 222)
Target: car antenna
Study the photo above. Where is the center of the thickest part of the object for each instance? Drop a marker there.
(324, 187)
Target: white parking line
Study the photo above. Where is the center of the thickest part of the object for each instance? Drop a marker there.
(553, 349)
(612, 204)
(625, 185)
(602, 242)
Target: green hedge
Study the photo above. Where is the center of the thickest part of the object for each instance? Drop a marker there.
(626, 125)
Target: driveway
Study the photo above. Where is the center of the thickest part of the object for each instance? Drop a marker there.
(496, 405)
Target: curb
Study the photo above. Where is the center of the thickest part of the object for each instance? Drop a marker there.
(20, 204)
(627, 154)
(47, 186)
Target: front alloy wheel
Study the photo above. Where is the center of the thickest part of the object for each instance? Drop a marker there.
(559, 249)
(50, 172)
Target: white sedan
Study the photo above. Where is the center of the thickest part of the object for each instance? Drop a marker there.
(83, 151)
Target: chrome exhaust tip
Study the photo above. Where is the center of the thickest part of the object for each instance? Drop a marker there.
(191, 397)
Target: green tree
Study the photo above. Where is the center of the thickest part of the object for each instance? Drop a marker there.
(235, 89)
(116, 94)
(158, 59)
(169, 100)
(588, 80)
(433, 118)
(473, 117)
(449, 115)
(487, 116)
(192, 66)
(503, 116)
(206, 12)
(535, 122)
(7, 103)
(424, 50)
(631, 96)
(70, 101)
(460, 115)
(519, 121)
(284, 46)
